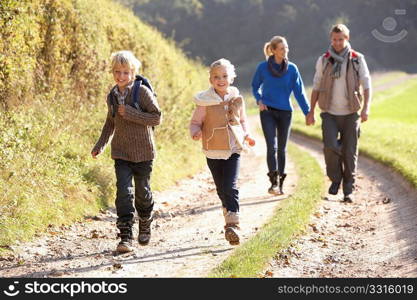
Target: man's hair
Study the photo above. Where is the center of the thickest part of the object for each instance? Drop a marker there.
(340, 28)
(125, 58)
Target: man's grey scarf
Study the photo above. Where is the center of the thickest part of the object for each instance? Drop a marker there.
(338, 60)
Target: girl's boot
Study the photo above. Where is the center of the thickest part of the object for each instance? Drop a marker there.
(232, 227)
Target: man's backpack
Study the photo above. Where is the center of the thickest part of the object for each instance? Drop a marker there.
(139, 80)
(354, 57)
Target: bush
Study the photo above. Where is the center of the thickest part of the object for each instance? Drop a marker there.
(54, 77)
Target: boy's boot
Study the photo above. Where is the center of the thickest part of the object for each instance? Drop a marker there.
(281, 183)
(125, 234)
(273, 178)
(231, 228)
(145, 230)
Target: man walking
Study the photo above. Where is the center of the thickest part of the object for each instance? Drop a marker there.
(340, 73)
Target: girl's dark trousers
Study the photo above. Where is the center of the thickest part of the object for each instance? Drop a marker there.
(225, 174)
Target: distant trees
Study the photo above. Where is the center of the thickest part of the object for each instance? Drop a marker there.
(237, 29)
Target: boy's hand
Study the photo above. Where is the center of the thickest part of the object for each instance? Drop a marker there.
(94, 154)
(121, 110)
(250, 141)
(197, 136)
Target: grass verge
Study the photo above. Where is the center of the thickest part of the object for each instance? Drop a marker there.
(290, 217)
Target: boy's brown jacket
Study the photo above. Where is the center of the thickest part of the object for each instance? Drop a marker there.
(131, 136)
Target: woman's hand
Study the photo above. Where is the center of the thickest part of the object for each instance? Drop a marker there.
(262, 106)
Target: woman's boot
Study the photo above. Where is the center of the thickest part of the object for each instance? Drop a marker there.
(281, 183)
(273, 178)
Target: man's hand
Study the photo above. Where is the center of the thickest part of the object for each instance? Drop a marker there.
(262, 106)
(310, 120)
(366, 104)
(121, 110)
(364, 115)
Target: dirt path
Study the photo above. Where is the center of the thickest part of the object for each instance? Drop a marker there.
(373, 237)
(187, 240)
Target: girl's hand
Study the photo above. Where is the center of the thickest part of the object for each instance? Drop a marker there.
(121, 110)
(250, 141)
(197, 136)
(262, 106)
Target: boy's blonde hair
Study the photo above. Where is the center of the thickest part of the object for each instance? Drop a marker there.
(125, 58)
(272, 44)
(224, 63)
(340, 28)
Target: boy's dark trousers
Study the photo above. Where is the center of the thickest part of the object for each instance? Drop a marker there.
(340, 139)
(141, 194)
(225, 173)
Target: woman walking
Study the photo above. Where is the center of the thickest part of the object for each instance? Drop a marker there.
(274, 81)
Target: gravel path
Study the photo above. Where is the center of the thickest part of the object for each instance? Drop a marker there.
(187, 240)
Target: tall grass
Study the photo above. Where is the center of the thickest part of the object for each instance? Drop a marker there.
(54, 76)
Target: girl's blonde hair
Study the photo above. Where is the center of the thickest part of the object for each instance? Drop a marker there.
(125, 58)
(224, 63)
(272, 44)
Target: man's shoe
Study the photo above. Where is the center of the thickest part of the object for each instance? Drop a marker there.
(348, 198)
(144, 230)
(334, 188)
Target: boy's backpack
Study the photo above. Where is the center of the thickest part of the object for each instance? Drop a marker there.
(139, 80)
